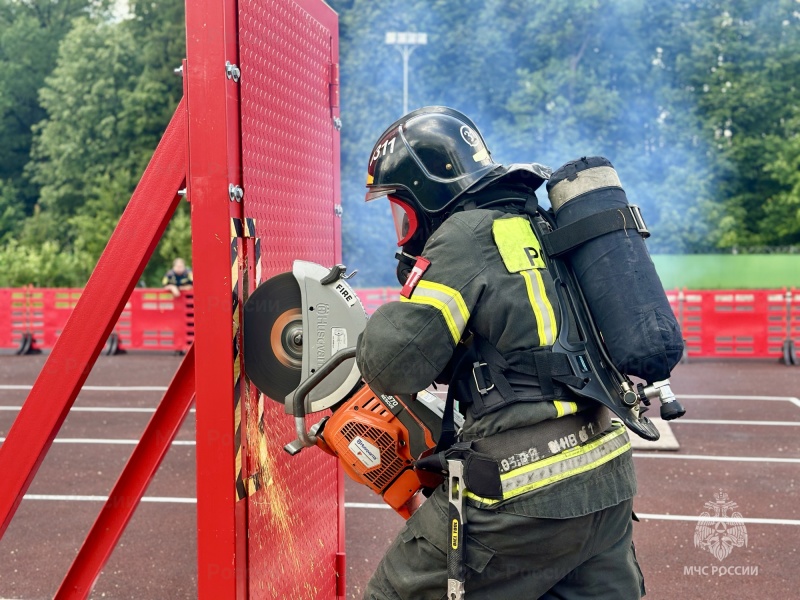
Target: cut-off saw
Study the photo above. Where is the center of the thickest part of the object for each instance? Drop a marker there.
(300, 333)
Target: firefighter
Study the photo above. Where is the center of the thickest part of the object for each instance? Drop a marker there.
(549, 515)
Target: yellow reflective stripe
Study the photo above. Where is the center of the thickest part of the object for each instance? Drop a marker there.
(567, 454)
(550, 328)
(570, 473)
(571, 455)
(448, 291)
(565, 408)
(447, 300)
(542, 309)
(441, 307)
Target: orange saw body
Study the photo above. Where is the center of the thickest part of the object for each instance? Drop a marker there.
(377, 439)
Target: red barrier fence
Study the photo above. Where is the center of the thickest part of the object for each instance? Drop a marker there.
(715, 323)
(13, 318)
(32, 319)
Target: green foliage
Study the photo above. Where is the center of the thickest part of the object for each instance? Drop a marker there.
(44, 266)
(30, 34)
(87, 135)
(100, 92)
(10, 210)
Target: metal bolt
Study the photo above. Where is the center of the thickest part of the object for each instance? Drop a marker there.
(182, 192)
(178, 71)
(232, 71)
(337, 123)
(235, 192)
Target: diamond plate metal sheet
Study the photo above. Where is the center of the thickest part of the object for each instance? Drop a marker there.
(289, 158)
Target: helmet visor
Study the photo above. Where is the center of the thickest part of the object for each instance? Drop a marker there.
(378, 191)
(405, 220)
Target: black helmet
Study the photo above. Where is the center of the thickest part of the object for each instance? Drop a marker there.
(427, 159)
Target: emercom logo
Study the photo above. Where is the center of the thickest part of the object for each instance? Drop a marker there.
(718, 532)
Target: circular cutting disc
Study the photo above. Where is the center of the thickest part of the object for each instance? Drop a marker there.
(273, 336)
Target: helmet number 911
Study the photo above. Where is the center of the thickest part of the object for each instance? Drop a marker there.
(380, 150)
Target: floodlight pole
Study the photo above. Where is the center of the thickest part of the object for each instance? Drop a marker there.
(406, 43)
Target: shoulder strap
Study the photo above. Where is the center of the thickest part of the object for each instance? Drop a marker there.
(567, 238)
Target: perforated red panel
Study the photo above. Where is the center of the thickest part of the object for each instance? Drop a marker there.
(290, 160)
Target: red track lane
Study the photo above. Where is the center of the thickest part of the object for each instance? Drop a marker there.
(156, 557)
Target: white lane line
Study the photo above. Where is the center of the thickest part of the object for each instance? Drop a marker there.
(109, 441)
(723, 397)
(100, 388)
(64, 498)
(733, 422)
(757, 459)
(365, 505)
(694, 519)
(100, 409)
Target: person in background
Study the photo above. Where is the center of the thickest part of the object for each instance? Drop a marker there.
(178, 278)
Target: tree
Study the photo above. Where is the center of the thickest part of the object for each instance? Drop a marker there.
(30, 34)
(107, 104)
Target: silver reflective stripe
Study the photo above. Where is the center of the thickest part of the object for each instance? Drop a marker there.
(586, 181)
(568, 463)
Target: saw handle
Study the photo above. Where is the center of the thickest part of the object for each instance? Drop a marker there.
(306, 439)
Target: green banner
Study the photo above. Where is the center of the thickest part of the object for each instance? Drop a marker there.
(728, 271)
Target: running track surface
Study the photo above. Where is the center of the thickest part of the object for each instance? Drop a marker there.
(739, 435)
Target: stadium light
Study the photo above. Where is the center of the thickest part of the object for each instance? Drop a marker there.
(406, 42)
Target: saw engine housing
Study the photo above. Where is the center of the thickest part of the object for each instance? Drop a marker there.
(377, 439)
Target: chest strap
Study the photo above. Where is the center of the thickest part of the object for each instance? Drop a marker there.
(479, 380)
(493, 375)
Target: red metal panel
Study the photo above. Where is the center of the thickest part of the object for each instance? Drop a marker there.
(214, 164)
(290, 171)
(132, 483)
(119, 268)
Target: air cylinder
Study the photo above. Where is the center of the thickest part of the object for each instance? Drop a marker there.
(614, 269)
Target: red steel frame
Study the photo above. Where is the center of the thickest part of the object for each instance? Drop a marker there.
(201, 148)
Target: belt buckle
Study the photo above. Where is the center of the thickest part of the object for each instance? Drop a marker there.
(638, 220)
(481, 390)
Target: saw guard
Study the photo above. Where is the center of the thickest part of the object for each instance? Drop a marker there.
(333, 318)
(293, 324)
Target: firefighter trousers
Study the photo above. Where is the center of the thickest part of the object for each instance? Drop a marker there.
(514, 556)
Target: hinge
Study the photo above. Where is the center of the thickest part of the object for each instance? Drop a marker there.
(334, 85)
(235, 193)
(232, 71)
(338, 210)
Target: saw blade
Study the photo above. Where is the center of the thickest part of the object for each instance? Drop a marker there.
(273, 336)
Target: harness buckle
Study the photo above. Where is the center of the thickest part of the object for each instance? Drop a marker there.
(477, 371)
(638, 220)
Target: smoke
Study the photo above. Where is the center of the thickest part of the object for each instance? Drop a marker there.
(545, 82)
